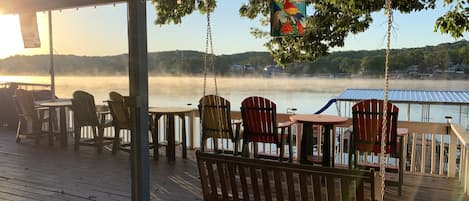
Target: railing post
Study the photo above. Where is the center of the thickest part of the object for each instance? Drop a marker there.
(452, 156)
(464, 165)
(463, 168)
(191, 130)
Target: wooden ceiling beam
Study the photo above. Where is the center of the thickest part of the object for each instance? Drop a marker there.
(28, 6)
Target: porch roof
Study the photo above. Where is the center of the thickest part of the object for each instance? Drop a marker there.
(22, 6)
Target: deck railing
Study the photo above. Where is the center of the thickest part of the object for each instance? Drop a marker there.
(431, 149)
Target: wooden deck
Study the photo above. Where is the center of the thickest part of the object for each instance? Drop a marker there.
(51, 173)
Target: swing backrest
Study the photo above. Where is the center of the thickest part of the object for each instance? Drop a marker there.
(367, 126)
(215, 113)
(259, 120)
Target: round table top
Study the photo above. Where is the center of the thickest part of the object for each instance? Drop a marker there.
(169, 110)
(318, 119)
(55, 102)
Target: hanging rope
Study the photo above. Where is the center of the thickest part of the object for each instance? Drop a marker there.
(388, 8)
(209, 62)
(209, 57)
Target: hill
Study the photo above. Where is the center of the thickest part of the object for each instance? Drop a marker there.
(424, 60)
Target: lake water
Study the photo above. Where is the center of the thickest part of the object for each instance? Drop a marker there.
(306, 94)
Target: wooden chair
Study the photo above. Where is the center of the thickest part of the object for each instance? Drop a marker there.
(85, 115)
(216, 122)
(260, 125)
(121, 121)
(32, 119)
(367, 132)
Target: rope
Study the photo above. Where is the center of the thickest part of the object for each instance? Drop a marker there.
(388, 7)
(209, 61)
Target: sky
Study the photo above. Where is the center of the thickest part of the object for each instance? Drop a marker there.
(102, 30)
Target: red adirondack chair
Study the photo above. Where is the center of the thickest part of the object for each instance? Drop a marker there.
(367, 132)
(260, 125)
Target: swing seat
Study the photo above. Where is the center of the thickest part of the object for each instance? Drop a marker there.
(215, 113)
(366, 137)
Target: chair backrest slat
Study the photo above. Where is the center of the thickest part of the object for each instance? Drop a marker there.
(265, 180)
(367, 129)
(25, 104)
(259, 120)
(25, 109)
(119, 110)
(84, 109)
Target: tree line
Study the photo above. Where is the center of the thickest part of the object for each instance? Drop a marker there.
(426, 59)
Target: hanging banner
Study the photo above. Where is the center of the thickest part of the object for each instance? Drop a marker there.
(287, 17)
(29, 30)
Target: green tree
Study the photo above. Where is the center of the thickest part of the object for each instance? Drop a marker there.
(373, 65)
(327, 27)
(464, 54)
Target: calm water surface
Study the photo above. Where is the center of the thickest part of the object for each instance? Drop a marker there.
(306, 94)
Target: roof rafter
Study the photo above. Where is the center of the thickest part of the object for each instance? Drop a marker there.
(27, 6)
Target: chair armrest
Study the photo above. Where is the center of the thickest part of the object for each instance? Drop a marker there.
(284, 124)
(40, 108)
(102, 109)
(237, 122)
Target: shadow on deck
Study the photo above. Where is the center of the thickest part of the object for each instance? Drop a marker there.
(51, 173)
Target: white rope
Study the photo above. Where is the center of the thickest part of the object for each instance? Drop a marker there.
(382, 162)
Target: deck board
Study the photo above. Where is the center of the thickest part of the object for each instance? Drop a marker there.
(51, 173)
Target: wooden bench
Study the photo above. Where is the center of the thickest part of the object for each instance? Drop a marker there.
(225, 177)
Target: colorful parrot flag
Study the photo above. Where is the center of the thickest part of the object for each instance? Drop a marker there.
(287, 17)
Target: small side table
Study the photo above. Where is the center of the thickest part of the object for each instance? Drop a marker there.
(304, 140)
(53, 104)
(170, 113)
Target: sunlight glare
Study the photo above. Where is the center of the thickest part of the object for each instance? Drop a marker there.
(10, 36)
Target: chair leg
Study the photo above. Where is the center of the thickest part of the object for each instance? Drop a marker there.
(154, 143)
(236, 141)
(401, 172)
(215, 144)
(97, 138)
(235, 150)
(184, 143)
(202, 144)
(282, 144)
(116, 144)
(401, 177)
(245, 149)
(255, 150)
(282, 152)
(156, 138)
(77, 137)
(290, 148)
(18, 130)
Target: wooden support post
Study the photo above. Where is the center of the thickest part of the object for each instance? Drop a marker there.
(138, 81)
